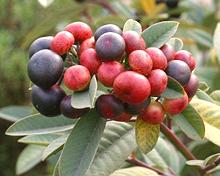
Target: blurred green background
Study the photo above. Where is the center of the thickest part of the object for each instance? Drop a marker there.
(22, 21)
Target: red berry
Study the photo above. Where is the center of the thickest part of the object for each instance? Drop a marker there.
(158, 58)
(133, 41)
(186, 57)
(158, 81)
(108, 71)
(81, 31)
(62, 42)
(168, 51)
(192, 86)
(77, 77)
(140, 62)
(153, 114)
(131, 87)
(86, 44)
(90, 60)
(124, 117)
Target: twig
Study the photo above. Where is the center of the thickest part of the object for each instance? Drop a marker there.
(210, 166)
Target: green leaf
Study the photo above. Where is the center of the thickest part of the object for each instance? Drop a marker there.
(134, 171)
(216, 40)
(215, 95)
(29, 158)
(190, 122)
(204, 96)
(204, 86)
(44, 139)
(82, 145)
(56, 169)
(158, 34)
(39, 124)
(13, 113)
(198, 163)
(173, 90)
(132, 25)
(176, 43)
(116, 145)
(211, 159)
(85, 99)
(146, 135)
(123, 9)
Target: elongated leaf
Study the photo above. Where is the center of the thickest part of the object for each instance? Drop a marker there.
(204, 96)
(211, 159)
(29, 157)
(190, 122)
(82, 145)
(158, 34)
(137, 171)
(216, 40)
(85, 99)
(146, 135)
(173, 90)
(42, 139)
(123, 9)
(132, 25)
(38, 124)
(215, 95)
(198, 163)
(176, 43)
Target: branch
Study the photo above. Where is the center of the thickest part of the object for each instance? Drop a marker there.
(177, 143)
(210, 166)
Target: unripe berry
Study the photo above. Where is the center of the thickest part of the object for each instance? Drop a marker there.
(62, 42)
(86, 44)
(168, 51)
(81, 31)
(140, 62)
(108, 71)
(131, 87)
(90, 60)
(77, 77)
(192, 86)
(135, 109)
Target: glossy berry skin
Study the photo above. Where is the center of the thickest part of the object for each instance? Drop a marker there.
(86, 44)
(45, 68)
(62, 42)
(179, 70)
(168, 51)
(140, 62)
(158, 58)
(153, 114)
(131, 87)
(77, 78)
(175, 106)
(186, 57)
(108, 71)
(40, 44)
(47, 102)
(192, 86)
(108, 106)
(158, 81)
(133, 41)
(110, 46)
(124, 117)
(68, 111)
(107, 28)
(135, 109)
(81, 31)
(90, 60)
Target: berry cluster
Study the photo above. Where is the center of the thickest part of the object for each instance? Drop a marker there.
(135, 75)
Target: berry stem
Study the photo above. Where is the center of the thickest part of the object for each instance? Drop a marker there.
(177, 142)
(210, 166)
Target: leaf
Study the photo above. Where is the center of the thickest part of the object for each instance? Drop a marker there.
(45, 3)
(39, 124)
(148, 6)
(29, 158)
(132, 25)
(204, 86)
(216, 40)
(56, 169)
(173, 90)
(137, 171)
(211, 159)
(215, 95)
(190, 122)
(13, 113)
(85, 99)
(81, 145)
(176, 43)
(198, 163)
(146, 135)
(204, 96)
(116, 145)
(44, 139)
(123, 9)
(158, 34)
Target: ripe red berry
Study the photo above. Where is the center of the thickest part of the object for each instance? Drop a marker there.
(168, 51)
(158, 58)
(186, 57)
(90, 60)
(81, 31)
(158, 81)
(133, 41)
(192, 86)
(124, 117)
(86, 44)
(140, 62)
(62, 42)
(131, 87)
(108, 71)
(153, 114)
(77, 77)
